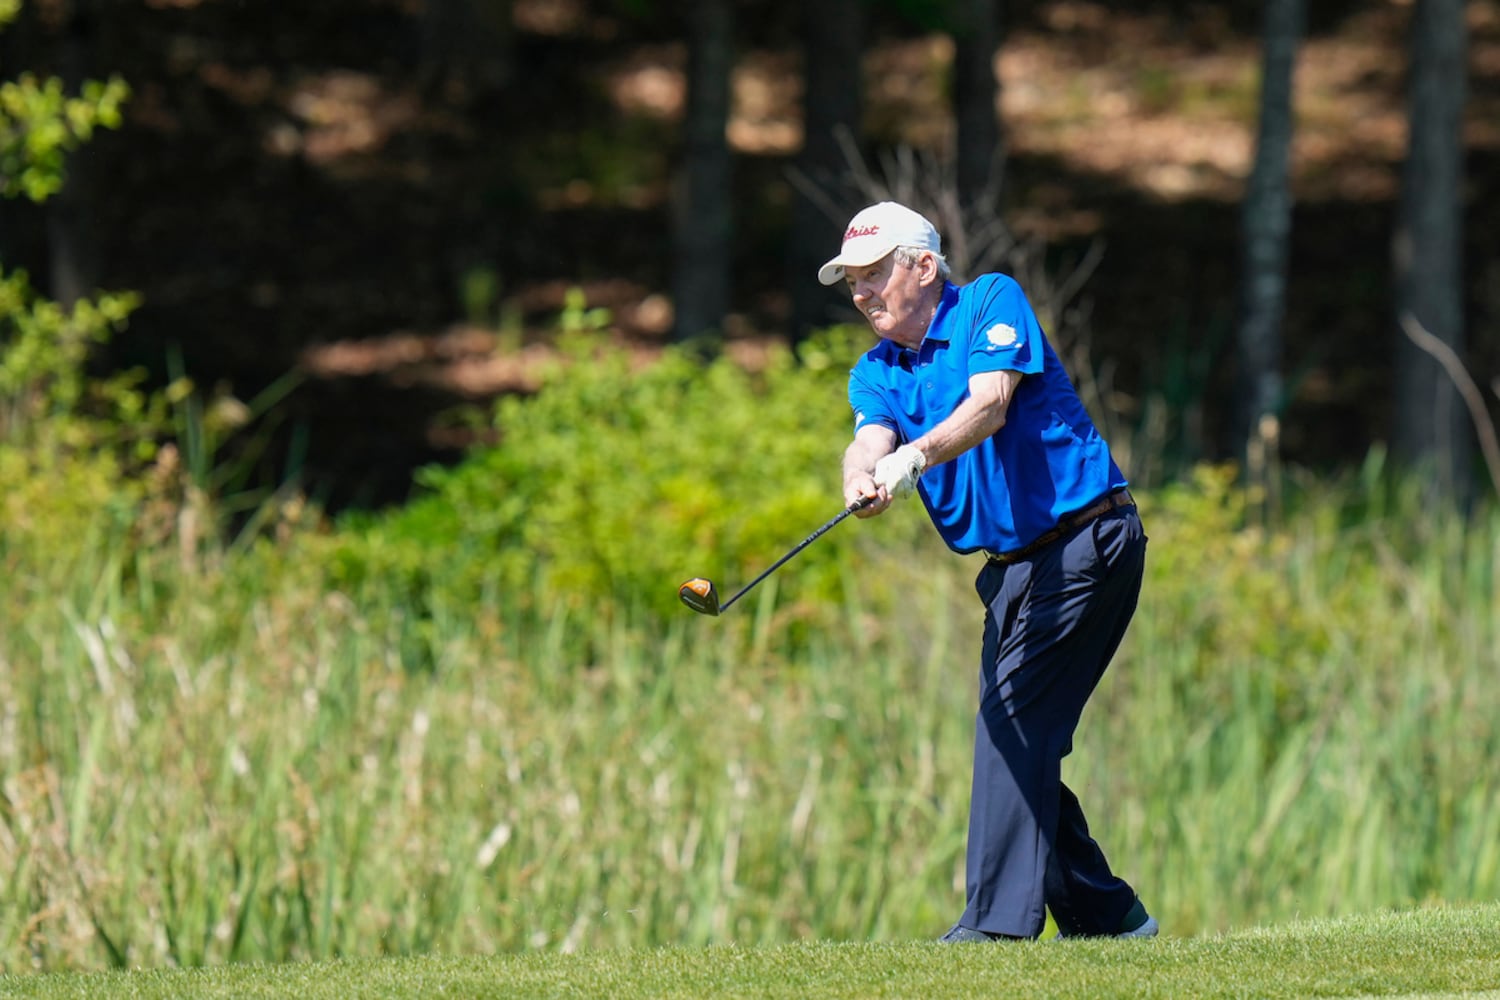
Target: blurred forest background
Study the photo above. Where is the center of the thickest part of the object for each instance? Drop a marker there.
(282, 678)
(383, 206)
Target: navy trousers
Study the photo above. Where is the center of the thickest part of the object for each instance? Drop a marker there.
(1053, 622)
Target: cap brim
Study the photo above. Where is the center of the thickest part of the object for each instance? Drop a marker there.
(831, 273)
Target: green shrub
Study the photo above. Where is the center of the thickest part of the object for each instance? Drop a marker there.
(40, 125)
(68, 442)
(619, 480)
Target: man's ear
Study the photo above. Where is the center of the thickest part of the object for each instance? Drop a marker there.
(927, 269)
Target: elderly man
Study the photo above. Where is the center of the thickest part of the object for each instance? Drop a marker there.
(964, 401)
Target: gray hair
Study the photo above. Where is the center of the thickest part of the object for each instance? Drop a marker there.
(909, 256)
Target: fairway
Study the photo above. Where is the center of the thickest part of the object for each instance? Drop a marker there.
(1429, 952)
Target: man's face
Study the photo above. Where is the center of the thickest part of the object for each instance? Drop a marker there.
(890, 296)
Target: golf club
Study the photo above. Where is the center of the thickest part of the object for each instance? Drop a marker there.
(703, 597)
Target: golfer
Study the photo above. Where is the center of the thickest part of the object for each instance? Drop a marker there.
(964, 401)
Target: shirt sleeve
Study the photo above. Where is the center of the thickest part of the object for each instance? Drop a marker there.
(1004, 334)
(868, 404)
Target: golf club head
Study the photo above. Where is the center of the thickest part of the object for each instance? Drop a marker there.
(700, 595)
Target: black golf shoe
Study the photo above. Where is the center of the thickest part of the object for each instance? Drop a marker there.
(959, 934)
(1137, 924)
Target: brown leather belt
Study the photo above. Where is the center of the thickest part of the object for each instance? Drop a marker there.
(1112, 501)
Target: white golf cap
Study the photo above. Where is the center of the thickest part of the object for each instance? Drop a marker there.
(875, 232)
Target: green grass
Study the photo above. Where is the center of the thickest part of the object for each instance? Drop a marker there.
(227, 758)
(1447, 951)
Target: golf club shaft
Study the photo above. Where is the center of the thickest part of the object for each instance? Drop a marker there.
(859, 504)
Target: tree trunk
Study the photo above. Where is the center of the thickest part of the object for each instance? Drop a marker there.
(976, 98)
(701, 217)
(73, 267)
(1266, 222)
(1431, 429)
(833, 36)
(466, 47)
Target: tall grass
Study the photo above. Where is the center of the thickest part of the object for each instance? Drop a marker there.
(218, 757)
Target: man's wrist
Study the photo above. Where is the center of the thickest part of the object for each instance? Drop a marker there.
(921, 445)
(919, 453)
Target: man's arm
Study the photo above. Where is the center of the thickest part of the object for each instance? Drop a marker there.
(975, 419)
(871, 443)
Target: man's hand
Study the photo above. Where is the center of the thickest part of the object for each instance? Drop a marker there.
(862, 487)
(871, 443)
(897, 472)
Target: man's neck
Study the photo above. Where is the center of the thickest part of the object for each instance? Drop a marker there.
(911, 338)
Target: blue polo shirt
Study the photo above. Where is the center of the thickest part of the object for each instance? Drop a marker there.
(1047, 461)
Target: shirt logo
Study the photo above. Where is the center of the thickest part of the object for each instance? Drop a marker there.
(1001, 335)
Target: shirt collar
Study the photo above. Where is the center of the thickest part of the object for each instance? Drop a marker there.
(937, 329)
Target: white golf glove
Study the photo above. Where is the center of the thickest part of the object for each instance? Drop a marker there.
(898, 471)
